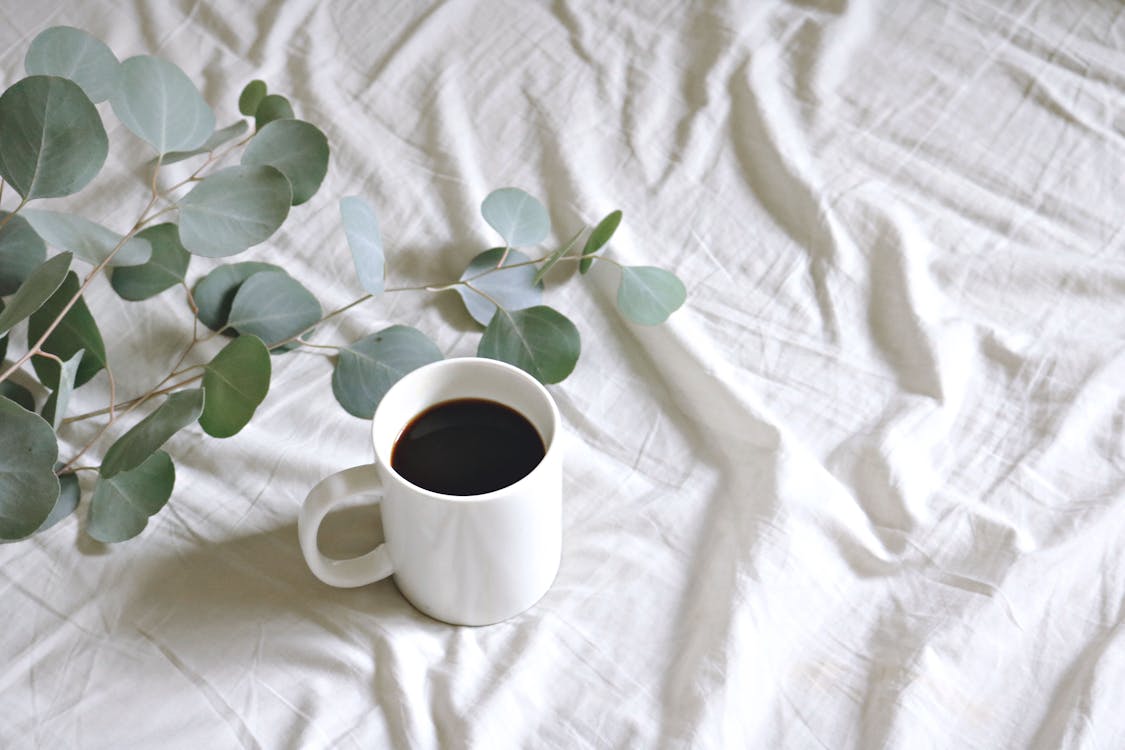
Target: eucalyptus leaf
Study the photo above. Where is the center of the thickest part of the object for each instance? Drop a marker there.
(3, 339)
(236, 381)
(164, 269)
(361, 227)
(77, 331)
(161, 106)
(272, 107)
(295, 148)
(91, 242)
(553, 259)
(28, 485)
(54, 411)
(53, 142)
(251, 97)
(37, 289)
(218, 138)
(69, 495)
(513, 288)
(214, 293)
(597, 239)
(648, 295)
(21, 251)
(367, 368)
(274, 307)
(539, 340)
(17, 394)
(147, 436)
(234, 209)
(517, 216)
(123, 503)
(71, 53)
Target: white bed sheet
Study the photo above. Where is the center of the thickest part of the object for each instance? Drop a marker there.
(864, 490)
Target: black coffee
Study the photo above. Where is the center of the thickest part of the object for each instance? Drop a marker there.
(468, 446)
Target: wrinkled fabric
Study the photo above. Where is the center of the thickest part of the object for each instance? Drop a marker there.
(864, 490)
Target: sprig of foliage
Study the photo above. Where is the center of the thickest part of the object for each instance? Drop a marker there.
(53, 144)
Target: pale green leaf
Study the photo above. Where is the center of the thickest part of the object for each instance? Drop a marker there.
(164, 269)
(235, 381)
(21, 252)
(648, 295)
(539, 340)
(89, 241)
(214, 293)
(71, 53)
(274, 307)
(54, 411)
(123, 503)
(513, 288)
(28, 485)
(368, 367)
(53, 141)
(295, 148)
(234, 209)
(361, 227)
(147, 436)
(518, 217)
(37, 289)
(161, 106)
(69, 495)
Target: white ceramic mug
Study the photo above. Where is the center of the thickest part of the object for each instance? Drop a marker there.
(466, 560)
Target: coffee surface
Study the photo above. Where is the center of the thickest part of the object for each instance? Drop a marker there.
(467, 446)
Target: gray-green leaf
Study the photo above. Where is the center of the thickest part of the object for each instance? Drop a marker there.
(214, 293)
(274, 307)
(76, 331)
(517, 216)
(235, 381)
(597, 239)
(72, 53)
(160, 104)
(21, 252)
(218, 138)
(54, 411)
(367, 368)
(135, 447)
(553, 259)
(123, 503)
(28, 485)
(539, 340)
(648, 295)
(54, 142)
(18, 394)
(295, 148)
(234, 209)
(251, 96)
(513, 288)
(37, 289)
(361, 227)
(69, 495)
(89, 241)
(164, 269)
(272, 107)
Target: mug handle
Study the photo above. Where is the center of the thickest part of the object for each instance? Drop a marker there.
(327, 494)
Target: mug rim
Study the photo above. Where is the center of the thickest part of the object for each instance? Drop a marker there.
(550, 446)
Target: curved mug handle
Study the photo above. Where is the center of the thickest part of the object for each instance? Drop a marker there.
(327, 494)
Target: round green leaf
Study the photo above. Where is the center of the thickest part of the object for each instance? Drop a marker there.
(69, 495)
(274, 307)
(539, 340)
(36, 290)
(53, 142)
(18, 394)
(214, 293)
(518, 217)
(367, 368)
(28, 485)
(89, 241)
(138, 444)
(161, 106)
(648, 295)
(513, 288)
(361, 227)
(597, 239)
(54, 411)
(234, 209)
(251, 97)
(235, 382)
(272, 107)
(76, 332)
(21, 251)
(218, 138)
(72, 53)
(164, 269)
(123, 503)
(295, 148)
